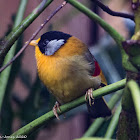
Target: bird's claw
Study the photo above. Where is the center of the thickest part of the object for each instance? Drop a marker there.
(89, 96)
(55, 108)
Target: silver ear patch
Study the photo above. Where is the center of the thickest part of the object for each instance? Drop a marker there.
(53, 46)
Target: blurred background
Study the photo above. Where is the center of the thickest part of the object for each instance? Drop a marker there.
(26, 98)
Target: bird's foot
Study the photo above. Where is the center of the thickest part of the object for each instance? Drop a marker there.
(55, 108)
(89, 96)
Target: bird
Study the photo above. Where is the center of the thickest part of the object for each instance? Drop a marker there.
(69, 70)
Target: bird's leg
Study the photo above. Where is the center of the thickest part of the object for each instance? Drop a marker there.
(55, 108)
(89, 96)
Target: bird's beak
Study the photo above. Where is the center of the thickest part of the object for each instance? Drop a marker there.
(34, 42)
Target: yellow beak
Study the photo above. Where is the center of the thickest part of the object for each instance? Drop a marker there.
(34, 42)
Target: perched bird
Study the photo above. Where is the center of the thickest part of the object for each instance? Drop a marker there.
(69, 70)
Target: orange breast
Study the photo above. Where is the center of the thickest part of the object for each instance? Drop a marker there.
(55, 66)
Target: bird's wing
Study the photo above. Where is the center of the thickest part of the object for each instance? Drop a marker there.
(95, 68)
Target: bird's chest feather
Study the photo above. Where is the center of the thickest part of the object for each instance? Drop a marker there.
(67, 78)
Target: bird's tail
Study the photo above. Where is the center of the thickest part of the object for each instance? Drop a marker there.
(99, 108)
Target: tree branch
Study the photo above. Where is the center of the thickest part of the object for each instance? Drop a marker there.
(135, 92)
(4, 77)
(37, 123)
(111, 12)
(113, 123)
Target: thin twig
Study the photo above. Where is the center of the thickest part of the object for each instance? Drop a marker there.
(33, 36)
(111, 12)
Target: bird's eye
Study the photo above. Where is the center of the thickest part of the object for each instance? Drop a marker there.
(45, 42)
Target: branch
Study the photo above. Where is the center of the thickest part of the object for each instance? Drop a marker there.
(111, 12)
(112, 32)
(135, 92)
(113, 123)
(33, 36)
(37, 123)
(16, 32)
(4, 77)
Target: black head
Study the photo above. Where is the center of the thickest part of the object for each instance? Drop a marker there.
(51, 41)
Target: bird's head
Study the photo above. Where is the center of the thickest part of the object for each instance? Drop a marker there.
(50, 42)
